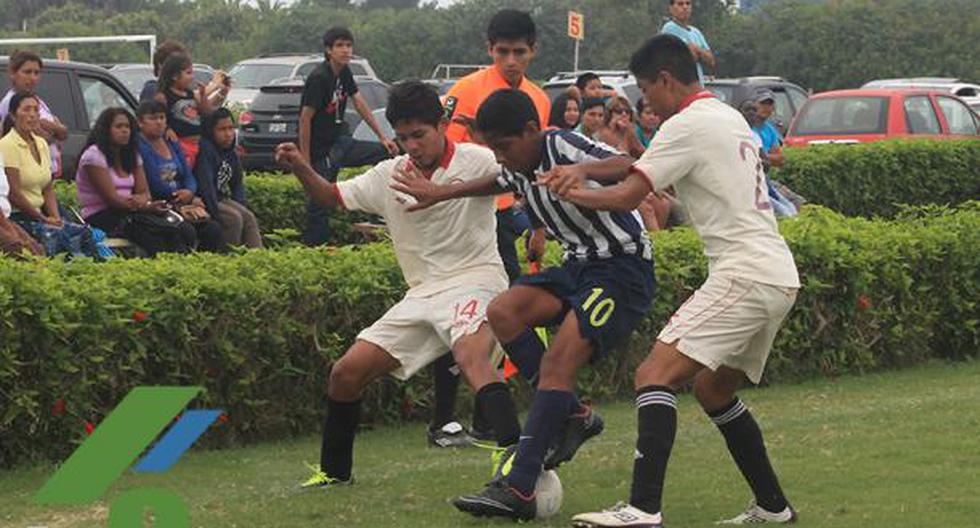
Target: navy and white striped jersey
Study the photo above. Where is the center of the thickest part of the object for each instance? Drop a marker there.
(586, 234)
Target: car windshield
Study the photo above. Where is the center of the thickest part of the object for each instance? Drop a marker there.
(724, 93)
(255, 76)
(134, 78)
(842, 115)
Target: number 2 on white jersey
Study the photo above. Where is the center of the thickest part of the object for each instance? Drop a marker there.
(761, 191)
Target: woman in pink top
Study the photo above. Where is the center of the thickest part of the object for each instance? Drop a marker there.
(113, 192)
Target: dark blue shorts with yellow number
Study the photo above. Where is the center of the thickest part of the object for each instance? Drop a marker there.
(609, 296)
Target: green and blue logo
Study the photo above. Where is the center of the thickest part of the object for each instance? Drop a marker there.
(118, 441)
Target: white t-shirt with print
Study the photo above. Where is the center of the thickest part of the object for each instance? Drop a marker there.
(450, 244)
(707, 152)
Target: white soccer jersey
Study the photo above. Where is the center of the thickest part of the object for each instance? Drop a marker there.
(450, 244)
(706, 151)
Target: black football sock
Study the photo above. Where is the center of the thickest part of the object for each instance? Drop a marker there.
(745, 443)
(446, 375)
(525, 352)
(337, 450)
(548, 414)
(656, 409)
(499, 409)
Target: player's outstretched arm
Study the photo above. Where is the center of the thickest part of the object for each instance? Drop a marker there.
(624, 196)
(563, 178)
(321, 191)
(428, 194)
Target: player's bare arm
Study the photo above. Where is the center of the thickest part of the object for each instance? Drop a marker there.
(428, 194)
(624, 196)
(291, 158)
(563, 178)
(305, 126)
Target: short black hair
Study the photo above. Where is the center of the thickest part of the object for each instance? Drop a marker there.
(583, 80)
(336, 33)
(640, 105)
(506, 113)
(592, 102)
(664, 53)
(21, 57)
(413, 100)
(150, 107)
(511, 24)
(164, 51)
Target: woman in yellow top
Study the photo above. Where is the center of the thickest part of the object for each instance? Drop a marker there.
(27, 164)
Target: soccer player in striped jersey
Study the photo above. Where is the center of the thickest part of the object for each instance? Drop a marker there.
(723, 333)
(595, 298)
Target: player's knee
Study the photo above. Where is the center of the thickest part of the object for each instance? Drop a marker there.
(712, 393)
(501, 316)
(345, 382)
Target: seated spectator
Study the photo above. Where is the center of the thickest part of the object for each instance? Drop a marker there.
(564, 112)
(618, 129)
(25, 75)
(185, 106)
(169, 177)
(113, 192)
(647, 122)
(593, 115)
(27, 165)
(781, 206)
(772, 140)
(14, 241)
(221, 183)
(216, 90)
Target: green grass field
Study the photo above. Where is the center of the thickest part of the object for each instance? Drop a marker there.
(885, 450)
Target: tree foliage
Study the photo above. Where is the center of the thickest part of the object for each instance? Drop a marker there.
(820, 45)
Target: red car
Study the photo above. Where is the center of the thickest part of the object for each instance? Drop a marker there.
(861, 116)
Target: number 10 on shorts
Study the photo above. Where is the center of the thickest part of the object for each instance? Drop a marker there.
(599, 312)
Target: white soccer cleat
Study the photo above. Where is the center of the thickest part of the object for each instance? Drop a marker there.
(622, 515)
(755, 514)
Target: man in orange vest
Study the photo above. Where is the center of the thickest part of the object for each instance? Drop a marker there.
(512, 44)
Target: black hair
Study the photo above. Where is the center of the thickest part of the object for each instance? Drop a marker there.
(583, 80)
(211, 122)
(511, 24)
(664, 53)
(22, 57)
(15, 101)
(164, 51)
(101, 136)
(336, 33)
(506, 113)
(172, 67)
(592, 102)
(150, 107)
(413, 100)
(558, 108)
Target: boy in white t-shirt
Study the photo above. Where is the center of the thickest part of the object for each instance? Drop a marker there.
(724, 332)
(448, 256)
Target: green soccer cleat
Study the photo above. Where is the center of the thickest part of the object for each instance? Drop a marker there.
(319, 479)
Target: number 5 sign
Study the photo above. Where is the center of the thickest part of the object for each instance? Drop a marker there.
(576, 25)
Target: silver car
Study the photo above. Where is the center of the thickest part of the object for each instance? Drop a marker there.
(250, 75)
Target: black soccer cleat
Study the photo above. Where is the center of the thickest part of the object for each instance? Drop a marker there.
(498, 499)
(578, 429)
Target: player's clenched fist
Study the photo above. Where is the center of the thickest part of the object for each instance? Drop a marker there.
(288, 156)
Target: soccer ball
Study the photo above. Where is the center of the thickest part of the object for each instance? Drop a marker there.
(549, 494)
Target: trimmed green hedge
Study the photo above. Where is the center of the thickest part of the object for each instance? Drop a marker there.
(875, 179)
(258, 330)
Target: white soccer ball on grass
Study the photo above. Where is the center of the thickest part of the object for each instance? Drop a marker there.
(549, 494)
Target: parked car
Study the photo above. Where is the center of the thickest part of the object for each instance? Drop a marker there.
(249, 76)
(274, 117)
(620, 80)
(135, 75)
(77, 93)
(968, 92)
(864, 115)
(789, 97)
(444, 76)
